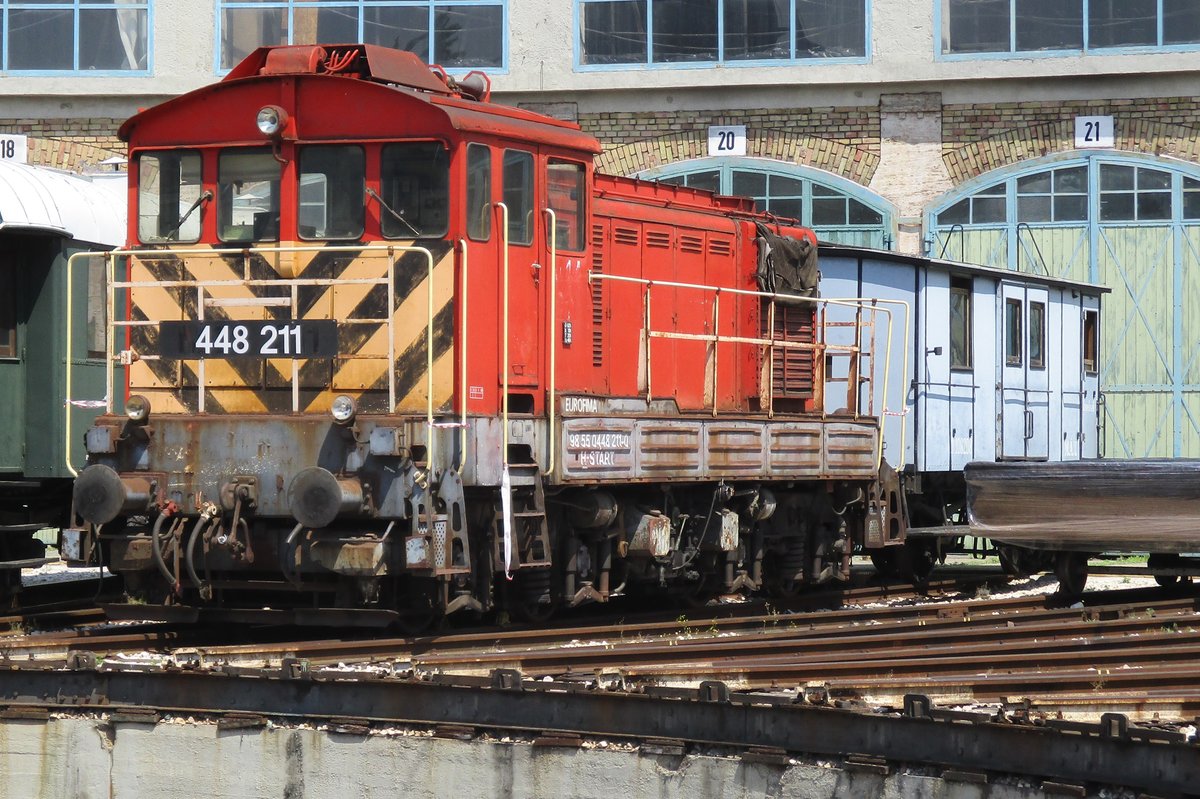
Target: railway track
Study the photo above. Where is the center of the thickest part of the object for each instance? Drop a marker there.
(1135, 650)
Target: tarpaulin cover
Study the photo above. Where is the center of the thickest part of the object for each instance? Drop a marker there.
(1088, 506)
(786, 265)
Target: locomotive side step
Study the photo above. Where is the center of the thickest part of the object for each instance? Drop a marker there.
(300, 617)
(530, 530)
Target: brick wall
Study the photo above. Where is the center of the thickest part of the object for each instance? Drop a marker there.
(980, 138)
(73, 144)
(844, 141)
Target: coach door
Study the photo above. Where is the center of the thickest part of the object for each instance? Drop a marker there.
(1024, 374)
(523, 303)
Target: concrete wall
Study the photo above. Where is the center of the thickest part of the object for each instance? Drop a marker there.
(90, 758)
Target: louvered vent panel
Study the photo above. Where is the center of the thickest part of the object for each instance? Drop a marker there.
(598, 295)
(625, 235)
(692, 244)
(660, 239)
(720, 247)
(792, 375)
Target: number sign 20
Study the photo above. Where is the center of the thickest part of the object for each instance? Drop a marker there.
(727, 140)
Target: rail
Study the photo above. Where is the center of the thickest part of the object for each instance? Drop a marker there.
(205, 299)
(854, 352)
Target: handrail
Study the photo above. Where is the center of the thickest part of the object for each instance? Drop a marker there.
(504, 337)
(856, 303)
(553, 330)
(462, 433)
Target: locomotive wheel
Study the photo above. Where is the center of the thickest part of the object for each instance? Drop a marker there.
(1072, 572)
(884, 561)
(529, 596)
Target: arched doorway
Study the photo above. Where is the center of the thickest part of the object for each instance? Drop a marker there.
(1129, 222)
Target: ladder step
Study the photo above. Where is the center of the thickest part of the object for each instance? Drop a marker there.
(529, 514)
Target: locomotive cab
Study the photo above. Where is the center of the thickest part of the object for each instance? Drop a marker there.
(388, 345)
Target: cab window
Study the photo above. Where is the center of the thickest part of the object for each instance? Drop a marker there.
(479, 192)
(169, 196)
(416, 190)
(565, 185)
(332, 180)
(248, 195)
(1012, 333)
(518, 195)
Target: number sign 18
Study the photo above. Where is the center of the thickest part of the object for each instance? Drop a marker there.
(13, 147)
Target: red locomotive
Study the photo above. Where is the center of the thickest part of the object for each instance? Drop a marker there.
(390, 346)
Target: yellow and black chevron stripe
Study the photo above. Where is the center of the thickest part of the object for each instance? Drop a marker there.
(361, 369)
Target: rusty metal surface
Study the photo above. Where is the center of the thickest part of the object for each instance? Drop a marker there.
(619, 448)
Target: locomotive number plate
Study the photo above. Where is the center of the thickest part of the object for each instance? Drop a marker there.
(261, 339)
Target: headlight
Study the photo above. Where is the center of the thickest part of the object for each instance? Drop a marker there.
(137, 408)
(343, 409)
(270, 120)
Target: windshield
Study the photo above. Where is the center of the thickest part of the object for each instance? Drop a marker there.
(169, 195)
(248, 195)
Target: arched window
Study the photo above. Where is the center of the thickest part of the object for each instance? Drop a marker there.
(837, 209)
(1128, 222)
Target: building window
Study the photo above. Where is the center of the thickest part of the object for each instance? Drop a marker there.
(630, 32)
(1012, 332)
(1037, 335)
(452, 33)
(828, 209)
(1056, 195)
(960, 323)
(76, 36)
(1129, 193)
(1091, 342)
(1028, 26)
(985, 207)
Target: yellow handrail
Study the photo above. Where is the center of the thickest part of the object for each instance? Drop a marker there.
(551, 337)
(504, 336)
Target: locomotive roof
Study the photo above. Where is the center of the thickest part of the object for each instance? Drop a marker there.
(833, 250)
(41, 200)
(465, 105)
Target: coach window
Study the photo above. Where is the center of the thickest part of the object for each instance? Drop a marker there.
(1091, 342)
(8, 311)
(248, 195)
(1037, 335)
(960, 323)
(518, 195)
(169, 196)
(416, 190)
(332, 179)
(479, 192)
(1012, 332)
(565, 185)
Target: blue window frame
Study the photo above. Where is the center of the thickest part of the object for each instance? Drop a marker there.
(92, 37)
(624, 33)
(972, 28)
(837, 209)
(457, 34)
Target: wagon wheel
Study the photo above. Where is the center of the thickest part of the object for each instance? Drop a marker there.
(915, 561)
(1162, 561)
(1072, 572)
(1012, 561)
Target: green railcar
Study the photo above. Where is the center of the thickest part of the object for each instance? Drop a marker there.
(46, 216)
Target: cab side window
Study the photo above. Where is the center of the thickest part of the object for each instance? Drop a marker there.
(479, 192)
(960, 323)
(565, 186)
(518, 195)
(1012, 333)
